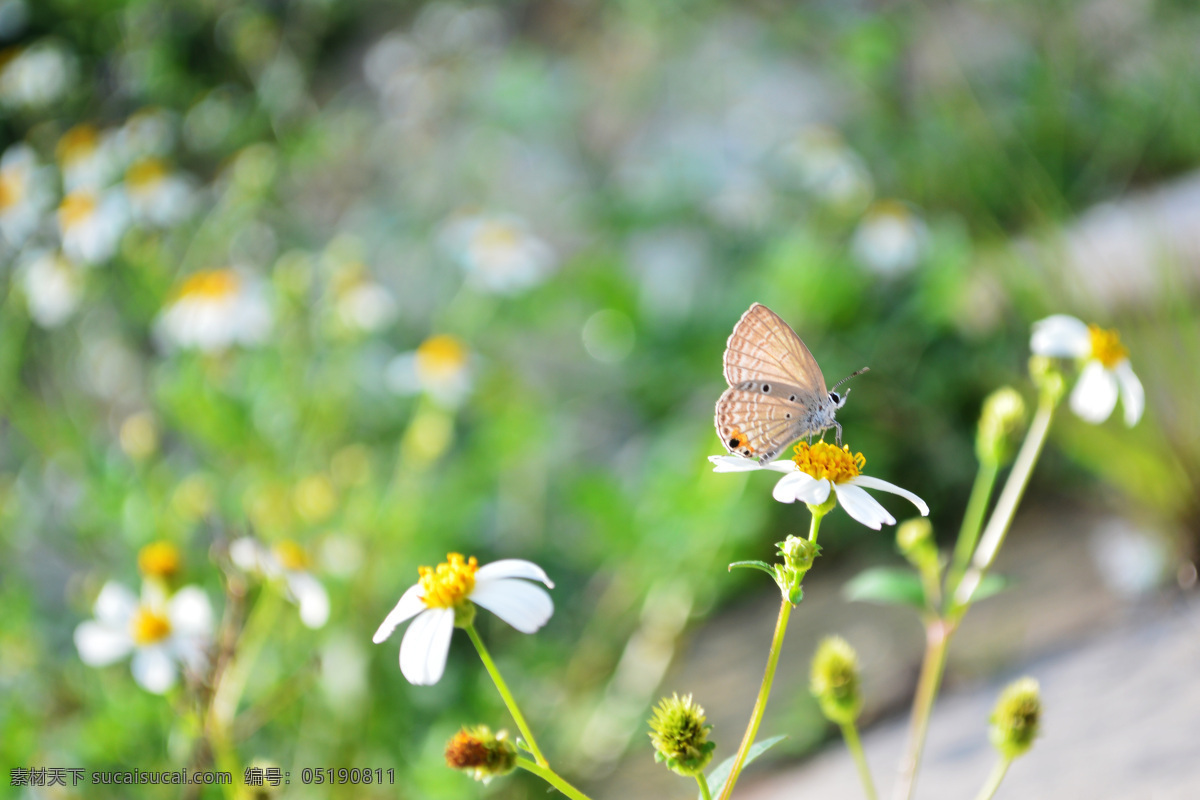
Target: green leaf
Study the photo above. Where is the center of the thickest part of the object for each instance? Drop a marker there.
(764, 566)
(720, 773)
(990, 585)
(891, 585)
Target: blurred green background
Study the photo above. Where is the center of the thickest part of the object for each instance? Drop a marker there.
(480, 264)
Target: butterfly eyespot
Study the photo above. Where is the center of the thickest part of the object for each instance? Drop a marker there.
(787, 416)
(792, 399)
(746, 451)
(766, 388)
(735, 442)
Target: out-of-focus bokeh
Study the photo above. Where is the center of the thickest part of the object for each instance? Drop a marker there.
(389, 280)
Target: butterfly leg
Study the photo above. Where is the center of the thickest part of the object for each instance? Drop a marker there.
(838, 425)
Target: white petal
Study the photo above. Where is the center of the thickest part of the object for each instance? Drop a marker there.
(115, 605)
(867, 482)
(154, 669)
(312, 597)
(1062, 336)
(524, 606)
(190, 612)
(734, 464)
(425, 645)
(803, 487)
(1133, 396)
(862, 506)
(245, 553)
(1095, 393)
(410, 605)
(512, 568)
(99, 644)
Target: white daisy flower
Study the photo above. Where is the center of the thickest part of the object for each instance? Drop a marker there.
(91, 224)
(815, 470)
(890, 238)
(162, 632)
(157, 195)
(26, 193)
(440, 367)
(1106, 371)
(37, 75)
(213, 310)
(289, 562)
(53, 287)
(359, 303)
(498, 253)
(88, 158)
(435, 598)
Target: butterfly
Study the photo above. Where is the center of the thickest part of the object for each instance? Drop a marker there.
(776, 391)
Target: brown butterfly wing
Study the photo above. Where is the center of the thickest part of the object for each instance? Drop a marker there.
(757, 425)
(763, 347)
(776, 390)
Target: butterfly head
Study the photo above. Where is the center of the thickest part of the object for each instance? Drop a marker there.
(838, 400)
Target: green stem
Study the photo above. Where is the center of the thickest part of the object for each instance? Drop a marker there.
(968, 535)
(509, 701)
(937, 641)
(850, 734)
(551, 777)
(993, 781)
(705, 792)
(1006, 506)
(764, 693)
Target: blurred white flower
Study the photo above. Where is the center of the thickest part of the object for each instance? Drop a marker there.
(498, 253)
(288, 562)
(91, 224)
(148, 133)
(820, 162)
(36, 76)
(53, 287)
(435, 599)
(162, 632)
(1106, 370)
(817, 469)
(88, 158)
(156, 194)
(440, 367)
(359, 303)
(214, 310)
(26, 193)
(890, 239)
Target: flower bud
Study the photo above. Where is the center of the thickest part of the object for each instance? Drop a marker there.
(835, 681)
(480, 754)
(1000, 426)
(798, 555)
(1047, 376)
(914, 539)
(679, 735)
(1015, 718)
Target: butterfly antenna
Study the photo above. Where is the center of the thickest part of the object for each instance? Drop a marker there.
(848, 377)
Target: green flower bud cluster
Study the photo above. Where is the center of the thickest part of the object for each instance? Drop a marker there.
(835, 681)
(1000, 426)
(680, 736)
(1048, 377)
(914, 539)
(798, 555)
(1015, 718)
(480, 753)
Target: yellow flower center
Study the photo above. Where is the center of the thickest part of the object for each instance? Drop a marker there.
(12, 188)
(450, 584)
(210, 284)
(76, 207)
(441, 356)
(150, 627)
(823, 460)
(77, 143)
(291, 555)
(495, 236)
(1107, 347)
(159, 560)
(145, 174)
